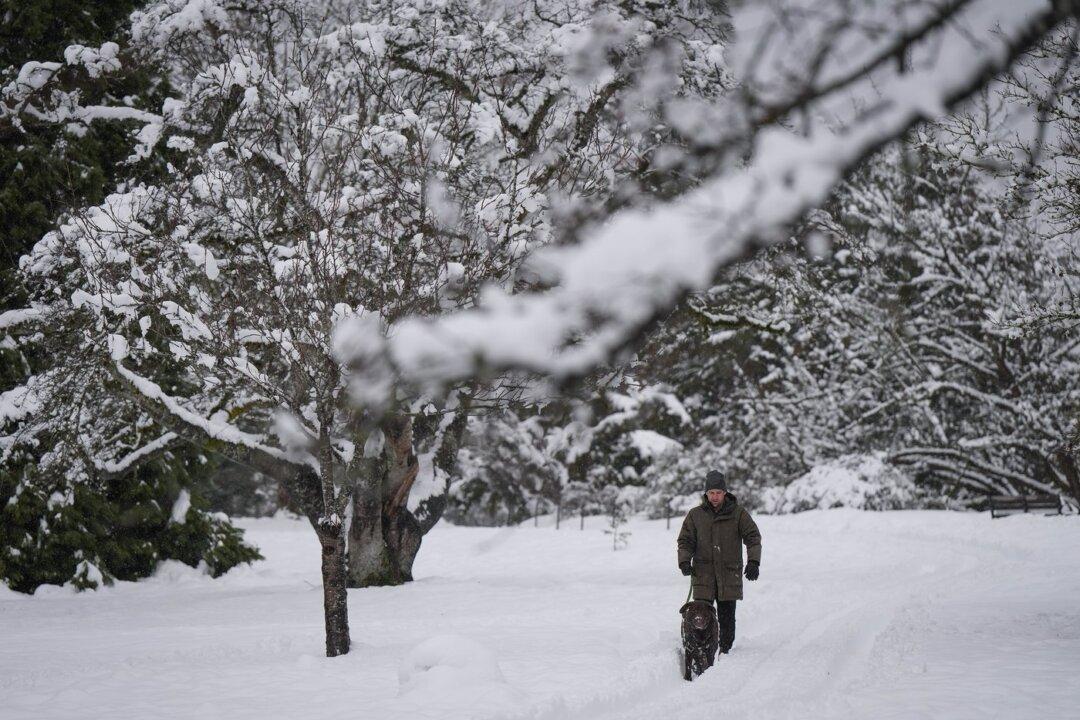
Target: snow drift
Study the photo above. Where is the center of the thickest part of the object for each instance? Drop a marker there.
(455, 672)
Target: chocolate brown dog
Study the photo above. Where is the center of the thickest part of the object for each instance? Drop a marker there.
(700, 637)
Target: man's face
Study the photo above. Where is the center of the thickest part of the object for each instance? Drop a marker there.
(715, 497)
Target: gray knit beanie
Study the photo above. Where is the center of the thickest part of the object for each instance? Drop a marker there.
(715, 480)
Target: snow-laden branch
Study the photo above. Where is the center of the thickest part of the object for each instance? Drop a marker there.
(19, 402)
(610, 288)
(215, 428)
(928, 389)
(90, 113)
(49, 91)
(11, 318)
(961, 461)
(118, 467)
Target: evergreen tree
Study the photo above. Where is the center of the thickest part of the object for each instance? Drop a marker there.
(88, 534)
(54, 528)
(48, 167)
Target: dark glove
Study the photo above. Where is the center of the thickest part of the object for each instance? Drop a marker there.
(752, 569)
(685, 567)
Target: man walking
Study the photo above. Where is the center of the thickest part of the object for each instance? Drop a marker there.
(710, 549)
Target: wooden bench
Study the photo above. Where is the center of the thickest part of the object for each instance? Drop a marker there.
(1003, 505)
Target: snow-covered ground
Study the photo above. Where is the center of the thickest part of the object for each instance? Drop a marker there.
(856, 615)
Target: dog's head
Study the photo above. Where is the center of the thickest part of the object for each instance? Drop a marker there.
(698, 615)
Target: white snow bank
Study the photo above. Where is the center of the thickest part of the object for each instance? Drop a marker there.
(49, 590)
(7, 593)
(453, 671)
(863, 482)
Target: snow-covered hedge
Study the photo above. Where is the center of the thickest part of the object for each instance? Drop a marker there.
(865, 482)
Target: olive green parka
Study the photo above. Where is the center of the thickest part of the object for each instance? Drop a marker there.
(712, 538)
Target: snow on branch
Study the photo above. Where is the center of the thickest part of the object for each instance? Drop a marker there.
(11, 318)
(48, 90)
(17, 405)
(215, 428)
(961, 464)
(607, 290)
(19, 402)
(118, 467)
(1029, 415)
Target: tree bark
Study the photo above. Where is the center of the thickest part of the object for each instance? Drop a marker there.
(385, 536)
(371, 562)
(1067, 461)
(335, 595)
(303, 490)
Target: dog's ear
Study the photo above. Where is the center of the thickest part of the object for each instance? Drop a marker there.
(682, 610)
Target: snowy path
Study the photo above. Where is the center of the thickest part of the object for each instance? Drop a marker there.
(857, 615)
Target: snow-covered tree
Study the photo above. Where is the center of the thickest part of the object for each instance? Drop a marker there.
(719, 351)
(507, 470)
(92, 532)
(900, 337)
(568, 455)
(950, 385)
(57, 150)
(1024, 130)
(46, 166)
(332, 164)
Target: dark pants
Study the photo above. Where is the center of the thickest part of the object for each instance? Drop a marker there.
(725, 617)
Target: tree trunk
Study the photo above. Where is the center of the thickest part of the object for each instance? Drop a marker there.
(1067, 461)
(385, 536)
(335, 596)
(371, 561)
(303, 490)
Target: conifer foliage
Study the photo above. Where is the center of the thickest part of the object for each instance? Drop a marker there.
(60, 62)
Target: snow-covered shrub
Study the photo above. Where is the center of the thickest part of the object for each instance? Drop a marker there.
(205, 537)
(864, 482)
(637, 426)
(84, 535)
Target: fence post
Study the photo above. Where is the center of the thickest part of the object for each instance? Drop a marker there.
(558, 513)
